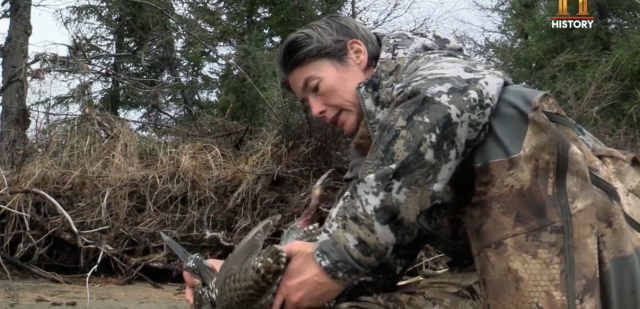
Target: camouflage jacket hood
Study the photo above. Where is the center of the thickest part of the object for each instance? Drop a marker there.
(398, 55)
(398, 50)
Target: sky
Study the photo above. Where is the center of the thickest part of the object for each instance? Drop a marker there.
(48, 34)
(46, 30)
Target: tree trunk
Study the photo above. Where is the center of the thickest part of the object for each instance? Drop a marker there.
(14, 118)
(113, 99)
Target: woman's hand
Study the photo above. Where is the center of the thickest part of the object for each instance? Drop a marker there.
(191, 281)
(304, 284)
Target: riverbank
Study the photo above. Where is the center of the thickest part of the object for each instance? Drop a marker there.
(37, 294)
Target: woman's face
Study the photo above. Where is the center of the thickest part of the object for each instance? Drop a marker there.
(329, 87)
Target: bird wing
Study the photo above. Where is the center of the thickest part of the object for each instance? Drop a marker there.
(247, 249)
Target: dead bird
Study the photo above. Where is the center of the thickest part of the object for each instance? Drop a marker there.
(250, 276)
(247, 279)
(303, 229)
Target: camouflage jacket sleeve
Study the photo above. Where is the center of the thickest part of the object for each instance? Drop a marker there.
(437, 115)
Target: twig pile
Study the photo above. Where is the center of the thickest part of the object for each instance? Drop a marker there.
(97, 188)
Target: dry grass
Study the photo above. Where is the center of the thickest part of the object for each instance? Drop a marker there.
(124, 188)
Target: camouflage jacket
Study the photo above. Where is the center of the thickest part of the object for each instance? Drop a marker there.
(426, 106)
(490, 173)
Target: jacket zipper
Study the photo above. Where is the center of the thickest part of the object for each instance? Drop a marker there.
(562, 168)
(364, 112)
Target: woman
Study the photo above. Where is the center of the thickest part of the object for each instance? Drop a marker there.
(498, 186)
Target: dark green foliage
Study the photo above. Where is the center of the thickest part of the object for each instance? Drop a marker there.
(248, 85)
(190, 57)
(130, 45)
(595, 72)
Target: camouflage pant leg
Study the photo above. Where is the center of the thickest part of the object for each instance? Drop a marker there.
(450, 291)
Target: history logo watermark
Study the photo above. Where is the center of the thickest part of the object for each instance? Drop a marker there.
(564, 20)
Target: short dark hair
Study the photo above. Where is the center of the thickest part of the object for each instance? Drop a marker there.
(325, 38)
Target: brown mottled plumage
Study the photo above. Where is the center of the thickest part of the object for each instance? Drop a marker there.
(250, 275)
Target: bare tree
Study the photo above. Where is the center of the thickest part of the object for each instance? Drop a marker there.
(394, 15)
(14, 118)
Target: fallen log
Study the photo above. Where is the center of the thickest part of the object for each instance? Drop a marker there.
(35, 270)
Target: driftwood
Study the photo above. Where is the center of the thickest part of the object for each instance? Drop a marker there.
(75, 240)
(35, 270)
(71, 239)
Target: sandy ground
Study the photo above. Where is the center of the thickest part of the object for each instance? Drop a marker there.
(36, 294)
